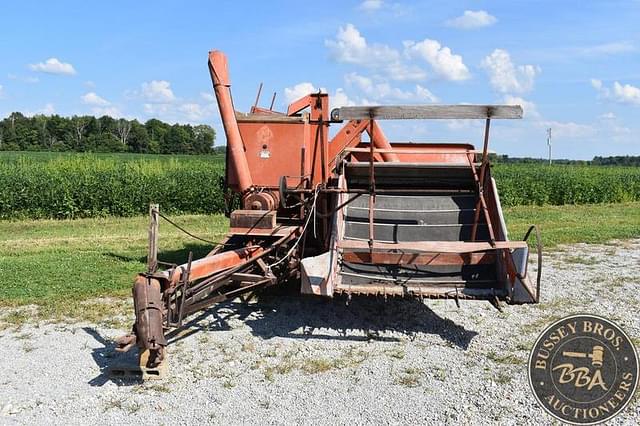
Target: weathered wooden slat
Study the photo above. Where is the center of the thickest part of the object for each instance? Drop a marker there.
(406, 112)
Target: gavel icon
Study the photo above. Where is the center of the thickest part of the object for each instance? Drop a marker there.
(596, 355)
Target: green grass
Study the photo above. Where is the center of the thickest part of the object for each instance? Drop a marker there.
(594, 223)
(59, 265)
(63, 266)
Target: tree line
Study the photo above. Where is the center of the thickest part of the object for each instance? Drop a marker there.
(620, 160)
(102, 134)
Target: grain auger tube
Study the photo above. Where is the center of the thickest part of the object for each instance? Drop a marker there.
(348, 215)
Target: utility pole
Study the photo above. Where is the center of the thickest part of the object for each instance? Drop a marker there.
(549, 142)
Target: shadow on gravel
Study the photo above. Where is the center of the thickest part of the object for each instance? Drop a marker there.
(106, 356)
(300, 317)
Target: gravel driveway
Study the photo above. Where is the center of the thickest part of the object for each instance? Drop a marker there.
(292, 360)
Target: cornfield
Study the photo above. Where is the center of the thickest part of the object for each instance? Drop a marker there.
(89, 185)
(540, 184)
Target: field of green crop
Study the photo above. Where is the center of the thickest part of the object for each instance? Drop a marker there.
(541, 184)
(67, 185)
(49, 185)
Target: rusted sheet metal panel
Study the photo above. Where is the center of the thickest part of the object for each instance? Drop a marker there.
(261, 219)
(274, 149)
(422, 152)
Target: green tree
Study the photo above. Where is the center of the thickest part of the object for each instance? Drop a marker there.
(139, 138)
(204, 139)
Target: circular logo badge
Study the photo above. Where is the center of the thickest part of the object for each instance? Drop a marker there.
(583, 369)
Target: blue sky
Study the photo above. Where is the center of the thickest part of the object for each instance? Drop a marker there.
(573, 65)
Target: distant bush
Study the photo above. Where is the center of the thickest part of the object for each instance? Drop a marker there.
(50, 185)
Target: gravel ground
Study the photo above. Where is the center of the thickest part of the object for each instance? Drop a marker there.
(293, 360)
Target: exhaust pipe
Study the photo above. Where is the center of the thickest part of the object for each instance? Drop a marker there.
(222, 87)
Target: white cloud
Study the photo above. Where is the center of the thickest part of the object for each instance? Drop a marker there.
(338, 99)
(158, 110)
(350, 47)
(160, 102)
(100, 106)
(1, 91)
(194, 112)
(529, 108)
(472, 19)
(370, 5)
(568, 129)
(299, 90)
(607, 48)
(24, 79)
(54, 66)
(612, 126)
(157, 91)
(48, 109)
(383, 91)
(505, 77)
(442, 60)
(111, 111)
(209, 97)
(423, 93)
(597, 84)
(626, 94)
(92, 98)
(177, 112)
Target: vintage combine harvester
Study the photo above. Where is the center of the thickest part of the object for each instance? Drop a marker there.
(345, 215)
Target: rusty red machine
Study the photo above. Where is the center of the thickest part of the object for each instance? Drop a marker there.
(343, 215)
